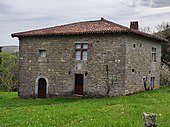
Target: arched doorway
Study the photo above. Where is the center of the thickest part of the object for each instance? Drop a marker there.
(42, 86)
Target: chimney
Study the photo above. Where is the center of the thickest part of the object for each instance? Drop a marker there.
(134, 25)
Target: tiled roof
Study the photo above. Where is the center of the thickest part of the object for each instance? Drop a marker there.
(87, 27)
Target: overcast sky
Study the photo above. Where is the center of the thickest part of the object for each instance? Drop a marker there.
(22, 15)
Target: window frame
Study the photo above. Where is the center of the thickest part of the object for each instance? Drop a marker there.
(42, 53)
(153, 52)
(81, 50)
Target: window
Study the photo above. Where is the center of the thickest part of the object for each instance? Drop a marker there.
(133, 70)
(134, 45)
(78, 55)
(153, 49)
(81, 51)
(42, 53)
(153, 54)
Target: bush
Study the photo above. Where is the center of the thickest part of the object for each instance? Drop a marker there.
(8, 71)
(165, 75)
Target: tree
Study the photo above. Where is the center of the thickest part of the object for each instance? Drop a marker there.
(110, 82)
(146, 29)
(164, 32)
(163, 26)
(8, 71)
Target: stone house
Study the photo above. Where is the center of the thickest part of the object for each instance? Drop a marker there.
(83, 58)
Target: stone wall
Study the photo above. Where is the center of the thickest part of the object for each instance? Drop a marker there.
(59, 67)
(139, 58)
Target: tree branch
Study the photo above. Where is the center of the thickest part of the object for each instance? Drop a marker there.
(163, 61)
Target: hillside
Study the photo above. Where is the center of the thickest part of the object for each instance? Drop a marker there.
(11, 49)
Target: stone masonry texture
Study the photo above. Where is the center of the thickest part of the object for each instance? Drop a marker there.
(59, 66)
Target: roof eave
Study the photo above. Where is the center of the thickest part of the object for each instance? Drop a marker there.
(162, 40)
(96, 32)
(72, 33)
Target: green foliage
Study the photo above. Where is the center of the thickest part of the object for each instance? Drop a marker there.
(164, 75)
(8, 71)
(164, 32)
(125, 111)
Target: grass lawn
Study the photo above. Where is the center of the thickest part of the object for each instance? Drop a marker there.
(125, 111)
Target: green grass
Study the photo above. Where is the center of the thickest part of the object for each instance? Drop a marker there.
(125, 111)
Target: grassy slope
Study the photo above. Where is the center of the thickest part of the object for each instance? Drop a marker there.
(123, 111)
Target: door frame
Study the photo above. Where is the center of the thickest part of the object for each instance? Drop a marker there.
(36, 85)
(82, 86)
(42, 88)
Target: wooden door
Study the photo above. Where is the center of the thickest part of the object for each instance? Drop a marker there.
(42, 84)
(79, 84)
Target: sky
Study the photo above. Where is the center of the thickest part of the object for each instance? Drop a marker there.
(24, 15)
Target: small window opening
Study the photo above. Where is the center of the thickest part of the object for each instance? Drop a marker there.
(86, 73)
(133, 70)
(134, 45)
(42, 53)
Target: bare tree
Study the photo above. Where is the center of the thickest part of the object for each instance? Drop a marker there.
(146, 30)
(163, 26)
(110, 81)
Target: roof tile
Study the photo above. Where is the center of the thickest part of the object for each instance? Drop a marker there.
(97, 26)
